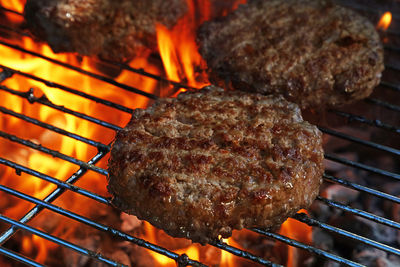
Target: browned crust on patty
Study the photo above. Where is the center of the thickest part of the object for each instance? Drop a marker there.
(312, 52)
(114, 30)
(209, 162)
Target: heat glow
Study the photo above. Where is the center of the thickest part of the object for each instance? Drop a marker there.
(181, 62)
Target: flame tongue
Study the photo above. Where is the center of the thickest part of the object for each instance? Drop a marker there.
(182, 63)
(385, 21)
(178, 48)
(298, 231)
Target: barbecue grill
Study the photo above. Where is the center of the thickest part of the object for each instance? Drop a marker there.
(386, 128)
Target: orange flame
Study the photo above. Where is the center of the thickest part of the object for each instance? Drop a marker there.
(298, 231)
(191, 251)
(182, 63)
(178, 48)
(385, 21)
(228, 259)
(44, 163)
(16, 5)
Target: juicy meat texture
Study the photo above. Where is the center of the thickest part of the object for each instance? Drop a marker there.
(208, 162)
(113, 30)
(312, 52)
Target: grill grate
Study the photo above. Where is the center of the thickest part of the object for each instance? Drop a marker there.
(103, 149)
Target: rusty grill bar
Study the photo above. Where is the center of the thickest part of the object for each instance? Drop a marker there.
(103, 149)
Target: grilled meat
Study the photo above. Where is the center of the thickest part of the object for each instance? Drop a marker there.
(114, 30)
(209, 162)
(312, 52)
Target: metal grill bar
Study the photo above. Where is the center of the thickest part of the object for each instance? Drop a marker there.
(97, 225)
(28, 95)
(362, 166)
(393, 48)
(393, 67)
(10, 10)
(53, 195)
(50, 127)
(117, 64)
(53, 153)
(183, 258)
(59, 183)
(390, 85)
(243, 254)
(376, 123)
(82, 71)
(383, 104)
(149, 75)
(302, 217)
(360, 141)
(70, 90)
(309, 248)
(361, 213)
(13, 30)
(18, 257)
(96, 256)
(362, 188)
(137, 241)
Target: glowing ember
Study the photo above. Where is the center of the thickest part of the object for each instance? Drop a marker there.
(385, 21)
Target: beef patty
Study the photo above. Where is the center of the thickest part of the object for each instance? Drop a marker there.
(114, 30)
(208, 162)
(312, 52)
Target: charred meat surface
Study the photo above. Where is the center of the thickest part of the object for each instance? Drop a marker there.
(208, 162)
(312, 52)
(114, 30)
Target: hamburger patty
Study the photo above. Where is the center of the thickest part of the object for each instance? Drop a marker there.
(208, 162)
(114, 30)
(312, 52)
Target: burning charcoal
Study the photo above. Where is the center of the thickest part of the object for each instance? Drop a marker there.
(76, 259)
(366, 228)
(318, 262)
(322, 239)
(373, 205)
(340, 194)
(392, 209)
(374, 258)
(129, 222)
(334, 166)
(321, 211)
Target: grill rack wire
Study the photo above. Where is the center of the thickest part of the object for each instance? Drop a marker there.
(103, 149)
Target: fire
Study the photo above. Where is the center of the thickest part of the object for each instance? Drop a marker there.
(182, 63)
(34, 246)
(178, 48)
(298, 231)
(385, 21)
(16, 5)
(227, 259)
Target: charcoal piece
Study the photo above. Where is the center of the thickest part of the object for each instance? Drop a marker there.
(373, 257)
(367, 228)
